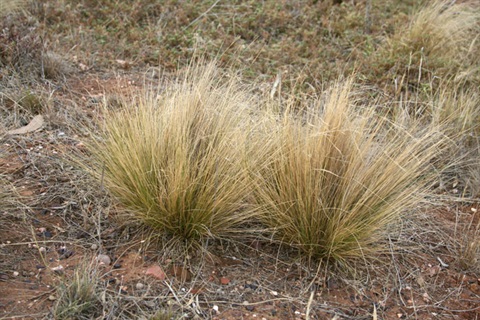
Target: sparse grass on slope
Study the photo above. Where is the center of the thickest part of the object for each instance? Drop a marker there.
(176, 160)
(9, 6)
(456, 106)
(336, 180)
(441, 40)
(78, 297)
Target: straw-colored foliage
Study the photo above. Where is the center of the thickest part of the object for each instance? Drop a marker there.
(78, 296)
(176, 160)
(335, 179)
(8, 6)
(441, 39)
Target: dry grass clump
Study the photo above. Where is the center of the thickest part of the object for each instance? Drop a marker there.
(9, 6)
(335, 179)
(176, 160)
(78, 297)
(468, 256)
(8, 195)
(441, 39)
(4, 193)
(456, 107)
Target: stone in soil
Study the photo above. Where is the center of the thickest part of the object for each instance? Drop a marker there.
(104, 259)
(156, 271)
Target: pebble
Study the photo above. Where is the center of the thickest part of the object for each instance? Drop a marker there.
(42, 250)
(139, 286)
(15, 273)
(67, 254)
(104, 259)
(150, 304)
(250, 308)
(94, 246)
(52, 297)
(47, 234)
(58, 270)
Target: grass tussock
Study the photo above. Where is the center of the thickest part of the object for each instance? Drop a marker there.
(176, 160)
(8, 196)
(468, 256)
(10, 6)
(455, 106)
(335, 179)
(78, 297)
(4, 193)
(440, 40)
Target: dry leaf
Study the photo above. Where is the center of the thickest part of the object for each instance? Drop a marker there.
(34, 125)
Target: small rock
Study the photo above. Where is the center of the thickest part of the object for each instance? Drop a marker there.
(52, 297)
(103, 259)
(274, 293)
(426, 297)
(139, 286)
(58, 270)
(42, 250)
(156, 271)
(215, 308)
(149, 304)
(224, 281)
(47, 234)
(250, 308)
(67, 254)
(94, 246)
(117, 266)
(15, 273)
(251, 285)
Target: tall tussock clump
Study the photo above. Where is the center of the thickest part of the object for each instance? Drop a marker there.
(176, 160)
(335, 179)
(441, 39)
(9, 6)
